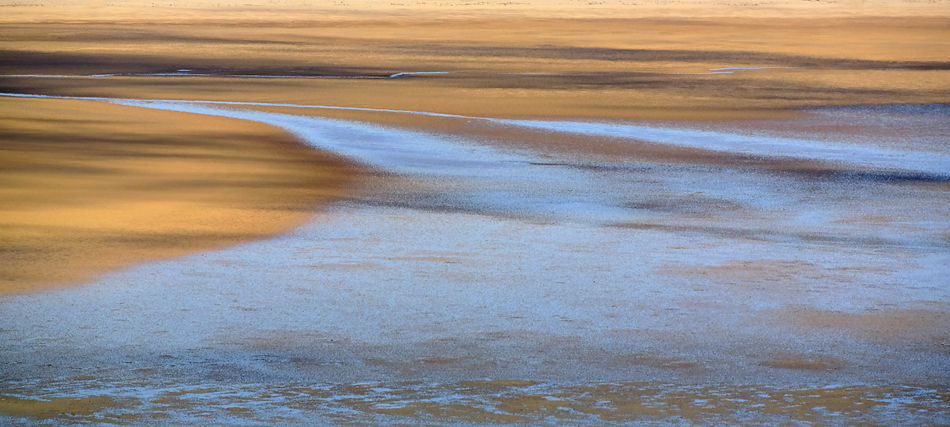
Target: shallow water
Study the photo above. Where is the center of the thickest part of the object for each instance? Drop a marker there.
(573, 288)
(492, 402)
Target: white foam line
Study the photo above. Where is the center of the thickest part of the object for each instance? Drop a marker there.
(236, 103)
(417, 73)
(388, 148)
(928, 162)
(509, 182)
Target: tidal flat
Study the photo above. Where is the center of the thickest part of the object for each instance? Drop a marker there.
(465, 214)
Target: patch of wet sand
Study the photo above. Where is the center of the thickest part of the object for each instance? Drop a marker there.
(922, 326)
(410, 294)
(618, 68)
(487, 402)
(55, 407)
(90, 187)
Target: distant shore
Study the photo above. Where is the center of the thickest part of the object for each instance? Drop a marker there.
(474, 213)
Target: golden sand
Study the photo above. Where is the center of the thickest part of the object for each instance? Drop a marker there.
(608, 68)
(54, 407)
(114, 202)
(90, 187)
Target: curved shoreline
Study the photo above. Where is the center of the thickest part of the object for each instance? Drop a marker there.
(538, 276)
(680, 248)
(933, 164)
(93, 188)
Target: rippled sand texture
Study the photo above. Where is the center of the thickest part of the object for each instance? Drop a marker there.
(548, 214)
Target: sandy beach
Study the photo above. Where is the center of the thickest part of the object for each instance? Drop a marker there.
(475, 214)
(90, 188)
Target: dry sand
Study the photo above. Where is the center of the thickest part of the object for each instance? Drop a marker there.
(603, 68)
(90, 187)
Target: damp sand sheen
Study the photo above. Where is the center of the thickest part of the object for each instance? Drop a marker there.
(475, 215)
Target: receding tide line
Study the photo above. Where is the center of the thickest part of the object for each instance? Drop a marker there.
(934, 163)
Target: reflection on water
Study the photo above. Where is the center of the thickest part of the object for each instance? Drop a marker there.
(85, 400)
(732, 295)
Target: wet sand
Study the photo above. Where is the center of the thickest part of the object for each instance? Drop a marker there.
(635, 65)
(580, 283)
(90, 188)
(510, 259)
